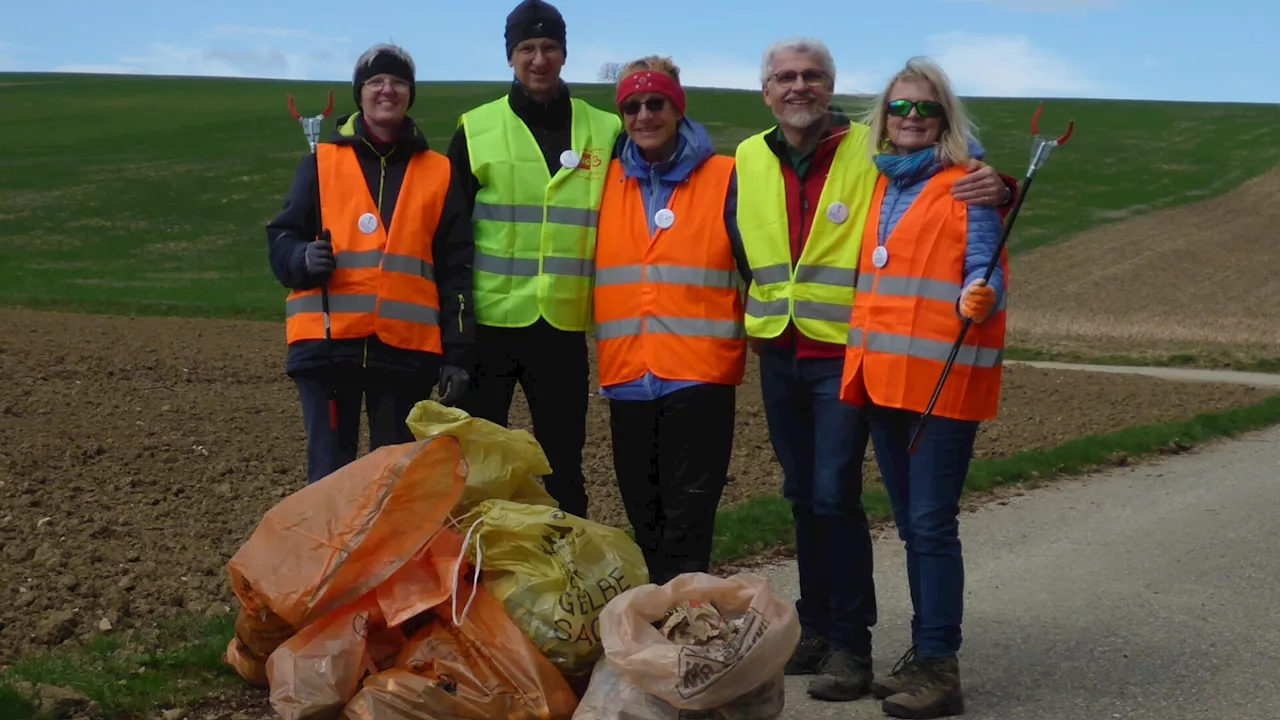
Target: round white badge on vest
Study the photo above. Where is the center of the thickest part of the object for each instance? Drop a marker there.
(837, 212)
(879, 256)
(569, 159)
(368, 223)
(664, 218)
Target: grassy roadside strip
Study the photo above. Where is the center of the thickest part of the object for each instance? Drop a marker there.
(1212, 361)
(180, 662)
(765, 523)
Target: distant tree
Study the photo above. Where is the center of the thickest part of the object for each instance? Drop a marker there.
(610, 71)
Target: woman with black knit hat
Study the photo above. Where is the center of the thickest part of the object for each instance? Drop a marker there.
(393, 261)
(536, 161)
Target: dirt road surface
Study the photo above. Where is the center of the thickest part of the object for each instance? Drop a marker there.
(1134, 593)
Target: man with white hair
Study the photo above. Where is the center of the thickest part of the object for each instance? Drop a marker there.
(393, 261)
(804, 190)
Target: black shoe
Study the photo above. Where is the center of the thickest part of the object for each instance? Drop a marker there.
(844, 677)
(810, 653)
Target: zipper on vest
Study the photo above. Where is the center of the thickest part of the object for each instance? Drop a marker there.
(462, 304)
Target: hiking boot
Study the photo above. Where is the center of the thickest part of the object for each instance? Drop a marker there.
(899, 679)
(934, 692)
(808, 657)
(844, 677)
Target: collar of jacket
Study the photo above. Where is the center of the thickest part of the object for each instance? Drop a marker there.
(351, 130)
(553, 113)
(839, 122)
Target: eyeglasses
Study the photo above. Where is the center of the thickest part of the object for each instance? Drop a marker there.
(377, 85)
(812, 78)
(653, 105)
(925, 108)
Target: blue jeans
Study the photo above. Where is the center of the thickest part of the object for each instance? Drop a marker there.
(925, 490)
(820, 442)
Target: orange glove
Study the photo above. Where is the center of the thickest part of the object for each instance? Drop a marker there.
(977, 300)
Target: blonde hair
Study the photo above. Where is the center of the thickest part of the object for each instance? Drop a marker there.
(663, 65)
(953, 143)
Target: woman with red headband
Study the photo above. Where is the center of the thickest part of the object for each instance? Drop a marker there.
(668, 319)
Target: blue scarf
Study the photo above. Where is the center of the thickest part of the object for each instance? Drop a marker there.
(905, 168)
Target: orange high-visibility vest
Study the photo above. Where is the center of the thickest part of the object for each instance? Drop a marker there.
(670, 303)
(905, 316)
(383, 284)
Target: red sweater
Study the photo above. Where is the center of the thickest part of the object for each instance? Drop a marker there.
(802, 205)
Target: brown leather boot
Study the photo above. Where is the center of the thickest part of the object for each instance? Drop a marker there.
(933, 693)
(898, 679)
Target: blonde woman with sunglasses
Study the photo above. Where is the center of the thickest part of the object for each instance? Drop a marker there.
(920, 272)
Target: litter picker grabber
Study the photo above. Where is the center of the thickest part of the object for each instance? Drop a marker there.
(311, 129)
(1040, 150)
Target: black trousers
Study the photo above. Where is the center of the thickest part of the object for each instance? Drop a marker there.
(671, 456)
(387, 396)
(551, 367)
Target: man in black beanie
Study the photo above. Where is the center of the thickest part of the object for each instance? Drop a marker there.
(536, 160)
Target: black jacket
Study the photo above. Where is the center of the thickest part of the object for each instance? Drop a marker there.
(550, 123)
(452, 251)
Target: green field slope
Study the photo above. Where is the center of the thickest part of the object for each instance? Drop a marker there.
(149, 195)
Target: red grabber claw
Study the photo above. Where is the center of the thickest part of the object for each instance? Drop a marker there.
(296, 116)
(329, 108)
(1040, 147)
(1035, 126)
(311, 125)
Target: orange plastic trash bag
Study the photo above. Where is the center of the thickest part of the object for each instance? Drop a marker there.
(317, 671)
(422, 583)
(332, 542)
(749, 649)
(553, 572)
(503, 464)
(484, 668)
(257, 636)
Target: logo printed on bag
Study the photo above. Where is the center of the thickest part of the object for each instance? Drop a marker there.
(699, 669)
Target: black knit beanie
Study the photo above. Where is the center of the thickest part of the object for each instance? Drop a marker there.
(534, 19)
(384, 62)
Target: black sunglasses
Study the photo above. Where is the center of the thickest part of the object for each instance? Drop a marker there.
(926, 108)
(653, 105)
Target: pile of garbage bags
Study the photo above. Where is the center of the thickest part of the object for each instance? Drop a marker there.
(438, 579)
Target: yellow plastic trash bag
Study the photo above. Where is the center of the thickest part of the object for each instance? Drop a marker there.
(553, 572)
(503, 464)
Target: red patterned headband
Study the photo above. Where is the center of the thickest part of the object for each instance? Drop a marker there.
(651, 81)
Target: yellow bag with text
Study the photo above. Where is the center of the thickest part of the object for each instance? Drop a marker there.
(553, 572)
(502, 464)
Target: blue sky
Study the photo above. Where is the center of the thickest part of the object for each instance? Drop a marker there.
(1147, 49)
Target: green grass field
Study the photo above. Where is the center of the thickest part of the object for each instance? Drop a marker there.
(149, 195)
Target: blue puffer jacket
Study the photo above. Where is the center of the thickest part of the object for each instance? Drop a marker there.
(656, 182)
(907, 177)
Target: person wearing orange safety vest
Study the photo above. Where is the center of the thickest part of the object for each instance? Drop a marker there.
(395, 258)
(668, 318)
(920, 274)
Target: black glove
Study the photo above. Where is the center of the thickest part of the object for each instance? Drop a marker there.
(319, 256)
(453, 384)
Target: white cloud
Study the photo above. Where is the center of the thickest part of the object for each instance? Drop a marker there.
(1049, 6)
(236, 51)
(1006, 66)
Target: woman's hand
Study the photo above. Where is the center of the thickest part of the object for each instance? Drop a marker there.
(977, 300)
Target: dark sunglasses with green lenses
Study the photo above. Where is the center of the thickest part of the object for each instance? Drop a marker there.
(924, 108)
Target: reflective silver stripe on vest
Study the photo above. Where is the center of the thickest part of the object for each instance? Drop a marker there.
(770, 274)
(358, 259)
(936, 350)
(408, 265)
(533, 214)
(821, 275)
(390, 262)
(521, 267)
(671, 274)
(924, 288)
(759, 308)
(620, 275)
(391, 309)
(575, 267)
(830, 312)
(687, 327)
